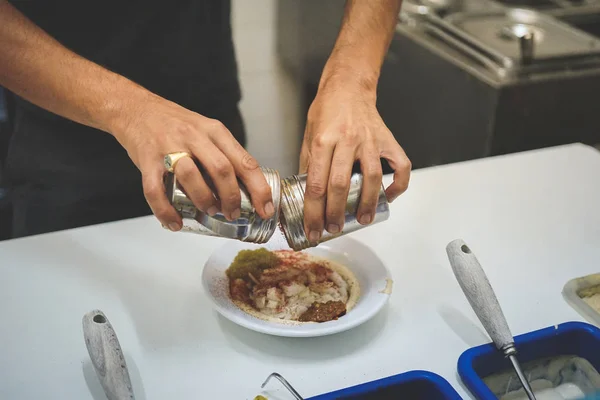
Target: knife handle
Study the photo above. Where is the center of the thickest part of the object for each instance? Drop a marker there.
(479, 292)
(107, 357)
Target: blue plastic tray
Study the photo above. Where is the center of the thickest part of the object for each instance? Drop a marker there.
(409, 385)
(570, 338)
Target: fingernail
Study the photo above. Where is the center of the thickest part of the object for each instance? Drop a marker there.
(365, 219)
(174, 226)
(333, 228)
(236, 214)
(314, 236)
(269, 209)
(212, 211)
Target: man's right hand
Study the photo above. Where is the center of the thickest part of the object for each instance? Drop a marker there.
(154, 127)
(38, 68)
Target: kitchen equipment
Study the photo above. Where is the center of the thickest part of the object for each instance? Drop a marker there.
(107, 357)
(292, 211)
(249, 227)
(288, 199)
(452, 88)
(563, 356)
(408, 385)
(481, 296)
(502, 39)
(428, 7)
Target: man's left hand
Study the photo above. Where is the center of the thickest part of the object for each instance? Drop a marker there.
(343, 127)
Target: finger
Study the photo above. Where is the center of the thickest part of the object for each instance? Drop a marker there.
(195, 187)
(222, 175)
(249, 172)
(401, 165)
(319, 164)
(372, 175)
(154, 191)
(339, 186)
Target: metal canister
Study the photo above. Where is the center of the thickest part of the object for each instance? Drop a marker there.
(292, 211)
(249, 227)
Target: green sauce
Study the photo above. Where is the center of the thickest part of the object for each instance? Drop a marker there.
(251, 262)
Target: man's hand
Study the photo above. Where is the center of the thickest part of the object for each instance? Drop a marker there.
(38, 68)
(160, 127)
(344, 125)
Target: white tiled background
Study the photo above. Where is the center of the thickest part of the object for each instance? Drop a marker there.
(270, 97)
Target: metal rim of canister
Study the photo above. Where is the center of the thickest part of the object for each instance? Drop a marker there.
(291, 221)
(263, 229)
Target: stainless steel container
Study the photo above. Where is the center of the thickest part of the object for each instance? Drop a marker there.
(249, 227)
(292, 211)
(288, 199)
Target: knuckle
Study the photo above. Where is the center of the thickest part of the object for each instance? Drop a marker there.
(314, 225)
(152, 191)
(264, 191)
(333, 215)
(322, 141)
(316, 190)
(222, 168)
(339, 183)
(249, 163)
(162, 213)
(373, 172)
(232, 199)
(351, 137)
(185, 129)
(214, 125)
(404, 164)
(368, 204)
(205, 200)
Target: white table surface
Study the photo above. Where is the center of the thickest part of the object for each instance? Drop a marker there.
(533, 220)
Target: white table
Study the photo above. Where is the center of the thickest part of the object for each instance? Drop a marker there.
(532, 219)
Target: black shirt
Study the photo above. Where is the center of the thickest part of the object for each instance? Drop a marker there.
(181, 50)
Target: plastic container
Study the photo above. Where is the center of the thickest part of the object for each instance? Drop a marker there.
(569, 339)
(576, 289)
(409, 385)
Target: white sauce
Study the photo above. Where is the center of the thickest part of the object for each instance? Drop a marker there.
(566, 391)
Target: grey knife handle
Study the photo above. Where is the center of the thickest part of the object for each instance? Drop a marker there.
(479, 292)
(107, 357)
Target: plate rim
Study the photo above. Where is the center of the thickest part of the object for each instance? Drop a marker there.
(283, 330)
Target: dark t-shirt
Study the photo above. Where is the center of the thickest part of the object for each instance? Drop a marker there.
(181, 50)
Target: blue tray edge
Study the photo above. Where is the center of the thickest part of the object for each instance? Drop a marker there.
(364, 388)
(465, 362)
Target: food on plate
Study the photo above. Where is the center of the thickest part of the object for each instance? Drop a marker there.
(321, 312)
(251, 263)
(284, 285)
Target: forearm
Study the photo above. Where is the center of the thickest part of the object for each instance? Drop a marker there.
(39, 69)
(364, 38)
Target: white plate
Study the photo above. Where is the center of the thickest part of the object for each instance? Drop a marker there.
(372, 274)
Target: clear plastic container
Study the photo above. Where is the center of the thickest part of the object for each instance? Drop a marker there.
(583, 294)
(552, 378)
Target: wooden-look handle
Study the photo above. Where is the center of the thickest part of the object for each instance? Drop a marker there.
(107, 357)
(479, 292)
